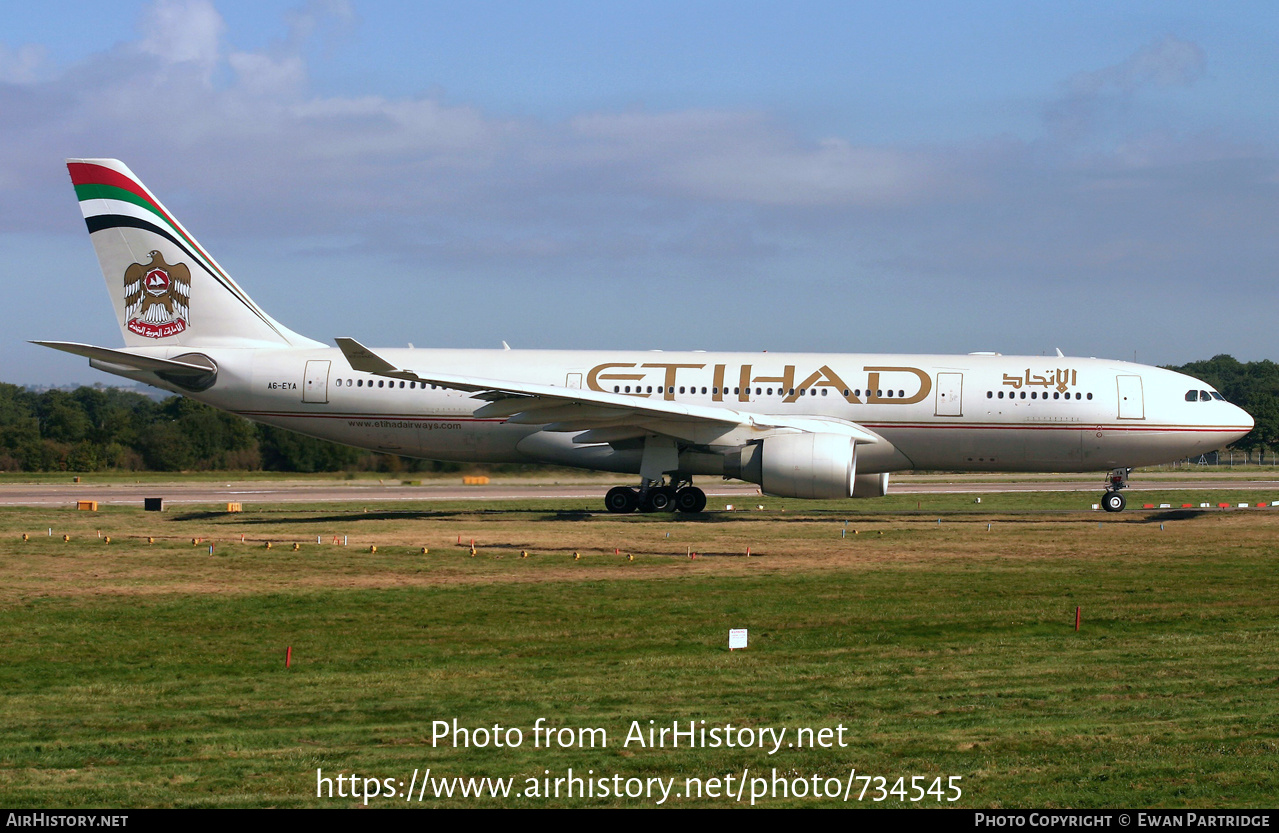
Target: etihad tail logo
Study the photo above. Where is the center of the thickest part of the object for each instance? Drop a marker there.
(157, 297)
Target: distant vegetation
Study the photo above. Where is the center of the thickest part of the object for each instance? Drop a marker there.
(110, 429)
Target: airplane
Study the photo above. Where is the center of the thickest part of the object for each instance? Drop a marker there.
(817, 426)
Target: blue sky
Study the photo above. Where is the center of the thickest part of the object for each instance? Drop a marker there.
(922, 177)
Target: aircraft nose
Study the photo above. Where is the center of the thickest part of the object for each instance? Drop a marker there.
(1243, 420)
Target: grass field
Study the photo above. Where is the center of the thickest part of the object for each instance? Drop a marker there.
(153, 674)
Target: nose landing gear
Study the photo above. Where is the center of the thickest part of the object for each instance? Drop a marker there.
(1112, 500)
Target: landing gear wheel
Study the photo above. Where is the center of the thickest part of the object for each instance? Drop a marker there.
(660, 499)
(621, 500)
(1113, 502)
(690, 499)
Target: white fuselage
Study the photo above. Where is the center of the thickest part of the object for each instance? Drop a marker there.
(966, 413)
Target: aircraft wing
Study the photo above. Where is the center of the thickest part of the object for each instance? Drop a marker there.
(606, 417)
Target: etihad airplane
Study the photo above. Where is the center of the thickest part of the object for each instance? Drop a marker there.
(801, 425)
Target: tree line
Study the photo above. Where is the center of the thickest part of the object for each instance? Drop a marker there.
(113, 429)
(101, 429)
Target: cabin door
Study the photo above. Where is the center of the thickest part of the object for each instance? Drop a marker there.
(950, 390)
(1131, 403)
(316, 387)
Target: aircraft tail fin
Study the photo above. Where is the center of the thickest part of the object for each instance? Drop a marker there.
(166, 289)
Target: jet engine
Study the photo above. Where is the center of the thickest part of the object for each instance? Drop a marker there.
(819, 466)
(870, 485)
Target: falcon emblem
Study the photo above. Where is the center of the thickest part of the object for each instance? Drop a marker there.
(157, 297)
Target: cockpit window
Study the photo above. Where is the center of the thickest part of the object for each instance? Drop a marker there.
(1205, 396)
(1192, 396)
(1218, 396)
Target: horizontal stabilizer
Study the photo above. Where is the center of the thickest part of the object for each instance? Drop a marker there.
(129, 360)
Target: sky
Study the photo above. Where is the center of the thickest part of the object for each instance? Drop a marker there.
(932, 177)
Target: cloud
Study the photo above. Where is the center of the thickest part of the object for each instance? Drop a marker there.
(263, 75)
(21, 65)
(246, 129)
(1166, 63)
(247, 132)
(742, 158)
(183, 31)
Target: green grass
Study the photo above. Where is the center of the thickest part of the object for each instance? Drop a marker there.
(143, 674)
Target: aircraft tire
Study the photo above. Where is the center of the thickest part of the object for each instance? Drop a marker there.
(661, 499)
(1113, 502)
(621, 500)
(690, 500)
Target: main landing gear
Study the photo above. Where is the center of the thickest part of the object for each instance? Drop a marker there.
(656, 498)
(1113, 500)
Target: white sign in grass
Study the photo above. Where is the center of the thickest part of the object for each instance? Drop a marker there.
(736, 639)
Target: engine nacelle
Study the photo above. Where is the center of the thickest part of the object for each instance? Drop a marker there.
(814, 466)
(870, 485)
